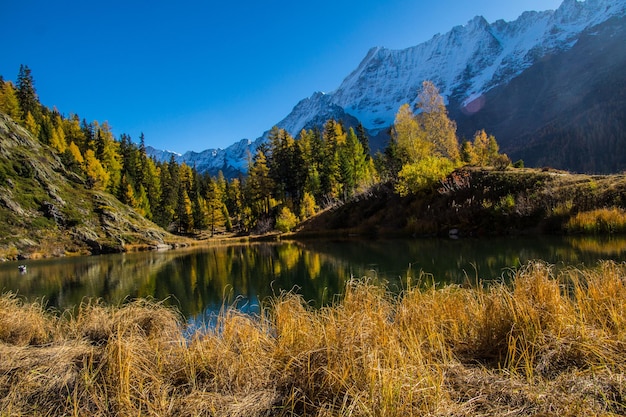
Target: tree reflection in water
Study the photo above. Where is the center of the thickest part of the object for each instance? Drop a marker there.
(201, 281)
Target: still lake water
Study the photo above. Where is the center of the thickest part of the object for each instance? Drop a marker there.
(199, 280)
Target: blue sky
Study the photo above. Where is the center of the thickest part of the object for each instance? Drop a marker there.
(194, 75)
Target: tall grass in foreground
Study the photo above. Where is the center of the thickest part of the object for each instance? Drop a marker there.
(539, 345)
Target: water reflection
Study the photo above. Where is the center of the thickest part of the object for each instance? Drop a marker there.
(202, 279)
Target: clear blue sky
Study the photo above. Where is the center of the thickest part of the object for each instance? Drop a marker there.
(193, 75)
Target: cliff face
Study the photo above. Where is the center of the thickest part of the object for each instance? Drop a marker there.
(46, 210)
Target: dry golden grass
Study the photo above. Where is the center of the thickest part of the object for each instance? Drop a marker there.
(540, 344)
(602, 220)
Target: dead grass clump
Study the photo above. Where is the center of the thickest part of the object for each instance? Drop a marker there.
(40, 380)
(540, 344)
(23, 323)
(137, 363)
(147, 319)
(236, 356)
(349, 358)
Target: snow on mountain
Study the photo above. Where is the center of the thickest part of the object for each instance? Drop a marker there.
(231, 161)
(464, 63)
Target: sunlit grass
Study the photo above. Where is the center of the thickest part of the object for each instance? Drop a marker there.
(536, 344)
(604, 220)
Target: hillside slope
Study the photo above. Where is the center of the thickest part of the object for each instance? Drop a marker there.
(482, 202)
(46, 210)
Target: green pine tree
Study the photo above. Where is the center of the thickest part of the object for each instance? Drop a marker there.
(26, 94)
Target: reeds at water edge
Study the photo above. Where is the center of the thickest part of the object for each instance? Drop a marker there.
(539, 343)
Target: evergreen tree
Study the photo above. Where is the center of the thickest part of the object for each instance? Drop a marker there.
(359, 157)
(364, 140)
(46, 130)
(130, 159)
(310, 145)
(89, 136)
(259, 184)
(200, 213)
(333, 136)
(142, 205)
(287, 166)
(26, 94)
(148, 176)
(184, 212)
(351, 160)
(141, 159)
(168, 197)
(389, 162)
(278, 161)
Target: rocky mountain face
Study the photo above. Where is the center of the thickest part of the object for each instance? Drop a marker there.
(567, 111)
(47, 210)
(540, 64)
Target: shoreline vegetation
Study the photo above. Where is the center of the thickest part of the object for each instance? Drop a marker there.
(540, 342)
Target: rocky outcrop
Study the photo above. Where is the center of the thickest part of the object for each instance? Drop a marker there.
(46, 210)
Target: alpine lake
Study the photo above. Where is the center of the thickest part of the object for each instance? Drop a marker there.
(202, 280)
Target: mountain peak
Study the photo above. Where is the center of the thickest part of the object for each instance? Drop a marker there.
(465, 63)
(478, 22)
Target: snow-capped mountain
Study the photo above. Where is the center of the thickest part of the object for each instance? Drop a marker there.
(231, 161)
(464, 63)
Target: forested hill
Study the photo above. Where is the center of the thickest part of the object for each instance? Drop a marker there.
(48, 210)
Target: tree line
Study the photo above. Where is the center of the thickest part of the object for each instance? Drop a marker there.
(288, 179)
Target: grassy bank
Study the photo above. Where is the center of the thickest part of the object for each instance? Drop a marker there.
(483, 202)
(540, 345)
